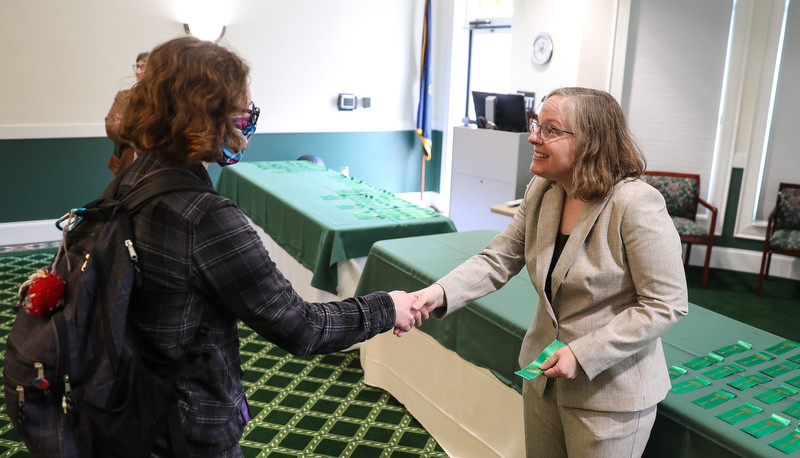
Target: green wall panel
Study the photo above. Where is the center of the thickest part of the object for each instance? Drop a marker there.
(43, 178)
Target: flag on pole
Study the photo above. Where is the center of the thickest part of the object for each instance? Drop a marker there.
(424, 109)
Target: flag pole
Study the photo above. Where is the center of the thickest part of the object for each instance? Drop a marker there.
(422, 177)
(424, 131)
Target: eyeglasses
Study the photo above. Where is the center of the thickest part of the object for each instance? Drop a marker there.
(247, 124)
(546, 129)
(138, 68)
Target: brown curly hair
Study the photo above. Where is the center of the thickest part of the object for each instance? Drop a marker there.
(606, 152)
(183, 107)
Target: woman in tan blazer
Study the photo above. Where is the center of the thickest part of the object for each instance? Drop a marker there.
(605, 258)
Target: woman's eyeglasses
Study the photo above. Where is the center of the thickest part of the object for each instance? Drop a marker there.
(546, 129)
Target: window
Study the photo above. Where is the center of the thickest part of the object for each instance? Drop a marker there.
(489, 59)
(489, 50)
(673, 87)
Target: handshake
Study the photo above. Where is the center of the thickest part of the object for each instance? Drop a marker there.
(412, 308)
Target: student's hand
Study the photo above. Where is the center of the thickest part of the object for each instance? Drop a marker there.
(562, 364)
(406, 314)
(429, 299)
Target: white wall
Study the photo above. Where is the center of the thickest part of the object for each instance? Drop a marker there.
(63, 62)
(583, 37)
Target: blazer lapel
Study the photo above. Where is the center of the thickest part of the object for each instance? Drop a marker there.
(546, 229)
(586, 219)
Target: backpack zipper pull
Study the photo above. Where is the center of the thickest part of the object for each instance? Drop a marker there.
(135, 259)
(21, 404)
(66, 400)
(40, 383)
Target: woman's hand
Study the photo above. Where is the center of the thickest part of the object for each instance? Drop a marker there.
(562, 364)
(406, 312)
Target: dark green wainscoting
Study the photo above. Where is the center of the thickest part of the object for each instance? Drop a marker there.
(43, 178)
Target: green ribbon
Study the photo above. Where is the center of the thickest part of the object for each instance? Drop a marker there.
(748, 381)
(789, 442)
(758, 358)
(793, 410)
(676, 371)
(689, 385)
(764, 427)
(776, 394)
(783, 347)
(738, 347)
(532, 370)
(724, 371)
(743, 412)
(780, 369)
(714, 399)
(703, 361)
(794, 381)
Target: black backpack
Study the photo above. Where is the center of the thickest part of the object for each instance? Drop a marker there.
(74, 380)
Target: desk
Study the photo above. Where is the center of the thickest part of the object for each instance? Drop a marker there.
(504, 209)
(488, 334)
(321, 217)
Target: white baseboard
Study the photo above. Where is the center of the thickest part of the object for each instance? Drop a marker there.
(746, 261)
(23, 232)
(19, 233)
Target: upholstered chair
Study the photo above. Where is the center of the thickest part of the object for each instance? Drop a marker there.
(681, 192)
(783, 229)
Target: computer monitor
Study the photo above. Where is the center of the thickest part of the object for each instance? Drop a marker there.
(509, 110)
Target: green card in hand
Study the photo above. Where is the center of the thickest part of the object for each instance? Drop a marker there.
(532, 370)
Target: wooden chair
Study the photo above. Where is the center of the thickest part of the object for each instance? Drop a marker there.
(681, 191)
(783, 229)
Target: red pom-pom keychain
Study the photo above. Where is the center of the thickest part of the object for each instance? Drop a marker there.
(41, 293)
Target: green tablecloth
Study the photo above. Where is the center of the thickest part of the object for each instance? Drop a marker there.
(321, 217)
(489, 333)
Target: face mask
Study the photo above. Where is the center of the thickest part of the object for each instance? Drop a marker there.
(230, 157)
(246, 127)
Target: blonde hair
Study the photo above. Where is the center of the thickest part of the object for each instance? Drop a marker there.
(606, 153)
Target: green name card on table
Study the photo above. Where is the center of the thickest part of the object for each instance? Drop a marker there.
(689, 385)
(532, 370)
(789, 442)
(794, 381)
(703, 361)
(676, 371)
(764, 427)
(743, 412)
(714, 399)
(749, 381)
(723, 371)
(758, 358)
(783, 347)
(795, 358)
(776, 394)
(780, 369)
(738, 347)
(793, 410)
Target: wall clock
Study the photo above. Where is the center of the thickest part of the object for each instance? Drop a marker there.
(542, 49)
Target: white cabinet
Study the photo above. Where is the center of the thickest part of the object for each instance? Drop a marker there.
(490, 167)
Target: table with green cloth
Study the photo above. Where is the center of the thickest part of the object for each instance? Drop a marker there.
(320, 216)
(489, 332)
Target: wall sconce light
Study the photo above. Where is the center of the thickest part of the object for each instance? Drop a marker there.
(206, 31)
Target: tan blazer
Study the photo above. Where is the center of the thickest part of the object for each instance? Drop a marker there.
(619, 284)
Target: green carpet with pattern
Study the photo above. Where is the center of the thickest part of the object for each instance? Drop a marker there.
(301, 406)
(319, 405)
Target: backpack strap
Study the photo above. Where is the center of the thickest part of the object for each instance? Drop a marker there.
(149, 187)
(159, 182)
